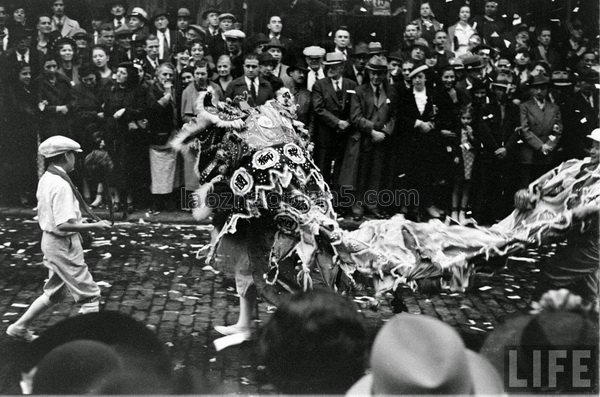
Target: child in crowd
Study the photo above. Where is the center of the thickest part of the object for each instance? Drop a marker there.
(464, 158)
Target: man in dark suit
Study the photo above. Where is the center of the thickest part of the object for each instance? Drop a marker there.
(257, 89)
(582, 115)
(371, 116)
(355, 70)
(496, 131)
(541, 129)
(167, 38)
(331, 102)
(217, 44)
(21, 52)
(275, 26)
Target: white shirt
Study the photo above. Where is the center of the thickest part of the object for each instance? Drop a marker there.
(313, 77)
(420, 99)
(56, 204)
(161, 46)
(22, 57)
(5, 40)
(116, 21)
(462, 34)
(254, 85)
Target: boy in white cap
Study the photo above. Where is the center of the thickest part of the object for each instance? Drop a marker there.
(60, 220)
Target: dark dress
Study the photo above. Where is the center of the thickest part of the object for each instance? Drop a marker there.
(18, 143)
(128, 148)
(55, 94)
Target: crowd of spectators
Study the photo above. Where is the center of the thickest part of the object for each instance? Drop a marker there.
(317, 343)
(464, 114)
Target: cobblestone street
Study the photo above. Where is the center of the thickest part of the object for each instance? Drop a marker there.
(150, 271)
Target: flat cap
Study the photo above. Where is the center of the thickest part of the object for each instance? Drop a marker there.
(234, 34)
(314, 52)
(183, 13)
(227, 15)
(58, 144)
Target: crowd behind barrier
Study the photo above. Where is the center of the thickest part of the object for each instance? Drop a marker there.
(463, 114)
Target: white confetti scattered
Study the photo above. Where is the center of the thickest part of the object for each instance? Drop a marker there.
(21, 305)
(513, 297)
(104, 284)
(485, 288)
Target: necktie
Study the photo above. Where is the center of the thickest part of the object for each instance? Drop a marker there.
(338, 91)
(377, 95)
(253, 90)
(118, 23)
(359, 78)
(166, 50)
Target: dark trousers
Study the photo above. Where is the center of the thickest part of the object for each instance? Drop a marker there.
(493, 198)
(324, 157)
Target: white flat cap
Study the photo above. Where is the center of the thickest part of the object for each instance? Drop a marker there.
(58, 144)
(595, 135)
(234, 34)
(314, 52)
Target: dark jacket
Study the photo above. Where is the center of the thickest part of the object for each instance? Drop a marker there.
(58, 94)
(495, 132)
(162, 117)
(537, 129)
(329, 110)
(239, 87)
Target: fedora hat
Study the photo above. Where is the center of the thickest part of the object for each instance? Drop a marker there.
(472, 62)
(561, 78)
(375, 48)
(275, 43)
(334, 58)
(377, 64)
(360, 50)
(418, 354)
(295, 67)
(538, 80)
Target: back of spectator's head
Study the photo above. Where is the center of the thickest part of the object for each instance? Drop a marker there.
(103, 345)
(314, 344)
(560, 328)
(418, 354)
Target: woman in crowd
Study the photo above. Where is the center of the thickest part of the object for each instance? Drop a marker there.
(18, 18)
(53, 98)
(224, 72)
(198, 54)
(459, 34)
(449, 100)
(65, 49)
(427, 23)
(100, 59)
(541, 67)
(162, 124)
(45, 35)
(124, 111)
(20, 145)
(416, 114)
(87, 110)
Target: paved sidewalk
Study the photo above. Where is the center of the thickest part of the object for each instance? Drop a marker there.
(150, 271)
